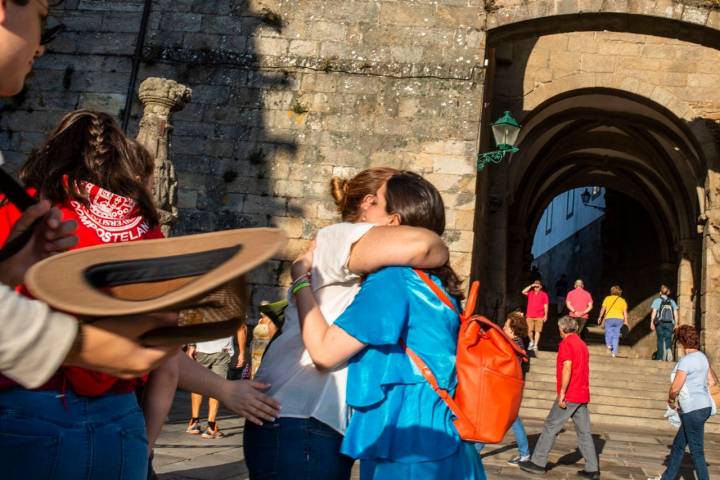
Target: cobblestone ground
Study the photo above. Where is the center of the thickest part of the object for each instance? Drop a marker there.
(624, 454)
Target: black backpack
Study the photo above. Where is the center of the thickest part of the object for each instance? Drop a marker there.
(665, 312)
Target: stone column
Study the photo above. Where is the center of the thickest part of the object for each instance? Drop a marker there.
(710, 294)
(160, 98)
(688, 250)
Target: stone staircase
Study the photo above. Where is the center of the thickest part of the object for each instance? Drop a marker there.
(624, 392)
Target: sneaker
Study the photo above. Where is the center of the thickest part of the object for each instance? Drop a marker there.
(193, 428)
(517, 459)
(591, 475)
(656, 477)
(212, 433)
(531, 346)
(530, 467)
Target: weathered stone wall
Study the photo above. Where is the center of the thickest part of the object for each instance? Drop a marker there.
(286, 94)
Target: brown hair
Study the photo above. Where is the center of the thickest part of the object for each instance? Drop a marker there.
(616, 290)
(665, 290)
(89, 146)
(688, 337)
(349, 194)
(418, 204)
(517, 323)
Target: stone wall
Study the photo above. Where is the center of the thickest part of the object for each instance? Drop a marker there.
(286, 94)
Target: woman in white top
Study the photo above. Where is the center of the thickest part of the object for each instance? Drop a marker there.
(304, 443)
(690, 396)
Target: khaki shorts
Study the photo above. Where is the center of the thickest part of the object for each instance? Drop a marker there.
(535, 324)
(216, 362)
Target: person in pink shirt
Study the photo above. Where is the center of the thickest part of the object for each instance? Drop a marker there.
(537, 311)
(579, 302)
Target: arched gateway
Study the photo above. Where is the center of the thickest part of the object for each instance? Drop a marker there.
(626, 100)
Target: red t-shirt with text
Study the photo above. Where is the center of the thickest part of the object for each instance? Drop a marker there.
(107, 218)
(572, 348)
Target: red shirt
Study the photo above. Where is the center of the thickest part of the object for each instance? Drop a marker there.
(109, 218)
(536, 304)
(580, 299)
(574, 349)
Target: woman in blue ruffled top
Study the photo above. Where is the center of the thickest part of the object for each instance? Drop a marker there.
(400, 428)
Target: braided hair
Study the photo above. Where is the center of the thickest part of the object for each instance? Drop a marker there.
(89, 146)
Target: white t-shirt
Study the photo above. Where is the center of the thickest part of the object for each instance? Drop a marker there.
(216, 346)
(301, 389)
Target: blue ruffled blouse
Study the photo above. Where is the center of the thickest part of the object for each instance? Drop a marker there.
(396, 414)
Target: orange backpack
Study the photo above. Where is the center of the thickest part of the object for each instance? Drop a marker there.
(489, 373)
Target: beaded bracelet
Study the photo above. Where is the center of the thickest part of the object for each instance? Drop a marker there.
(299, 286)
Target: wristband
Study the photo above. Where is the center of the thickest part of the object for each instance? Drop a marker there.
(299, 286)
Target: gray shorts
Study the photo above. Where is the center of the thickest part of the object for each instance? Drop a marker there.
(216, 362)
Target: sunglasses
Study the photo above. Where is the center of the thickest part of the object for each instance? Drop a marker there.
(50, 33)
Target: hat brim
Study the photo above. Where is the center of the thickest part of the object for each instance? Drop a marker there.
(69, 282)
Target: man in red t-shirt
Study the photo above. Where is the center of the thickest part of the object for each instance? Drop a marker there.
(573, 396)
(579, 302)
(537, 311)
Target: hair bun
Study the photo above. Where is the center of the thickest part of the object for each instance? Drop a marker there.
(339, 188)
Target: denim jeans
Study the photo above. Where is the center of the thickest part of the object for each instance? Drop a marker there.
(296, 448)
(612, 333)
(664, 332)
(521, 438)
(44, 436)
(691, 433)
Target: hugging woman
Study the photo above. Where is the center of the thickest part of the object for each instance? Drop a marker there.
(304, 442)
(400, 428)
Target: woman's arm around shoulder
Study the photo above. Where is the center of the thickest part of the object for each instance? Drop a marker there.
(397, 245)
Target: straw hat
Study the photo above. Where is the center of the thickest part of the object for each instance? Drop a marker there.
(201, 275)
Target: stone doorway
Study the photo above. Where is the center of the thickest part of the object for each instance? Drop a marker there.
(594, 112)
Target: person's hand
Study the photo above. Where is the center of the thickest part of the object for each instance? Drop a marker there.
(111, 345)
(562, 403)
(672, 403)
(51, 235)
(599, 321)
(245, 398)
(191, 349)
(652, 326)
(240, 361)
(303, 263)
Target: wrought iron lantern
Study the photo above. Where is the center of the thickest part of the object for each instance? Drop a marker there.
(505, 131)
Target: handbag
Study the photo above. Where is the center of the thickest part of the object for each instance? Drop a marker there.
(715, 389)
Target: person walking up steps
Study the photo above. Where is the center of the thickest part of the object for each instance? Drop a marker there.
(663, 321)
(537, 311)
(573, 396)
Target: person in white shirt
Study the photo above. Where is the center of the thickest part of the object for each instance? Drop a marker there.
(308, 434)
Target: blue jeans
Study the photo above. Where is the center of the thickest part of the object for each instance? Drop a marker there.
(43, 436)
(664, 332)
(296, 448)
(612, 333)
(691, 433)
(521, 438)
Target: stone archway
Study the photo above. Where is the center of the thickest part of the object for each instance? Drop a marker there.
(602, 115)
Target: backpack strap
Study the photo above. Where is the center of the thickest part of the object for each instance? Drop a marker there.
(419, 363)
(436, 290)
(430, 378)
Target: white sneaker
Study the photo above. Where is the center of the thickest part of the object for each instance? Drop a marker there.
(531, 346)
(656, 477)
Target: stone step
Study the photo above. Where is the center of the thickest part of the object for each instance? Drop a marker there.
(607, 375)
(548, 388)
(606, 362)
(601, 356)
(623, 421)
(604, 381)
(610, 400)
